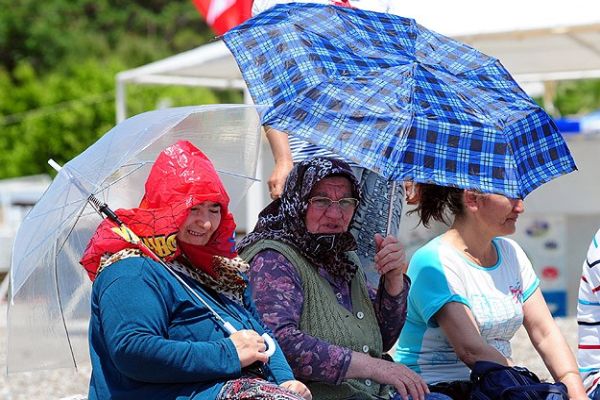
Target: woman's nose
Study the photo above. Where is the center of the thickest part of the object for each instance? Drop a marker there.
(334, 211)
(203, 221)
(518, 206)
(205, 224)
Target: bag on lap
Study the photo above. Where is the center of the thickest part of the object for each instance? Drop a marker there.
(492, 381)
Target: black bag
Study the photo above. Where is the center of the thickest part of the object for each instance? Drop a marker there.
(493, 381)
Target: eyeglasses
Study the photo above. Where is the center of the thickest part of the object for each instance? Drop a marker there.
(323, 203)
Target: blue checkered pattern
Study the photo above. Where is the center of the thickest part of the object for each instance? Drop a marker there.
(396, 98)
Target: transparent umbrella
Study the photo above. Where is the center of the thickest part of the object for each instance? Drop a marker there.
(49, 305)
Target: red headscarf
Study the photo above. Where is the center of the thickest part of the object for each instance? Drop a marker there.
(181, 178)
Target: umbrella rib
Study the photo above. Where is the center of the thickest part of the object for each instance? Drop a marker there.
(143, 163)
(58, 292)
(139, 165)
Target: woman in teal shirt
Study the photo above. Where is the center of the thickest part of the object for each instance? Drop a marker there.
(472, 289)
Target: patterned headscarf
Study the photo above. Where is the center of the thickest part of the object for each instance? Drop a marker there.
(284, 219)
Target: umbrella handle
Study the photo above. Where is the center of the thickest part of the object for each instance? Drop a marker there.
(271, 346)
(388, 229)
(269, 342)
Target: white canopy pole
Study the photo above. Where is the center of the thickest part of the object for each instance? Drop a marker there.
(255, 200)
(121, 100)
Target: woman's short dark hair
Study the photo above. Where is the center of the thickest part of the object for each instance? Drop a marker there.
(434, 200)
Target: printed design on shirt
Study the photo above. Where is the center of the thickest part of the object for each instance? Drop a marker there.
(434, 338)
(496, 317)
(503, 347)
(593, 256)
(517, 292)
(161, 245)
(443, 357)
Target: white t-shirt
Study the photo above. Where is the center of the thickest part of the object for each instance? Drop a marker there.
(588, 317)
(440, 274)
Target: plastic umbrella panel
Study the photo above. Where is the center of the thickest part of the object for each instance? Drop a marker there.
(50, 291)
(396, 98)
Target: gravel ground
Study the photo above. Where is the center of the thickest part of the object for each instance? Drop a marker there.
(60, 384)
(55, 384)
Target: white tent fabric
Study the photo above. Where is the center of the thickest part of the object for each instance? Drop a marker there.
(210, 65)
(535, 40)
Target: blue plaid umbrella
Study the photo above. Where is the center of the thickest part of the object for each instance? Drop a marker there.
(396, 98)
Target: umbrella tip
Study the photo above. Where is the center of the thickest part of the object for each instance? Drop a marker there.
(54, 165)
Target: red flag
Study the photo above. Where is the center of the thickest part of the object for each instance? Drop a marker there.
(222, 15)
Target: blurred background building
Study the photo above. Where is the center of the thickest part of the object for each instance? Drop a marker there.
(17, 197)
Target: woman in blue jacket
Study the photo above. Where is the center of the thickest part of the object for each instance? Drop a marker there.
(150, 337)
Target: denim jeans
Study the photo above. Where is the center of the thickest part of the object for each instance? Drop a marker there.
(437, 396)
(371, 216)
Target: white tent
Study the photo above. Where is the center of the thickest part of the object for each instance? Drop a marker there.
(210, 65)
(535, 40)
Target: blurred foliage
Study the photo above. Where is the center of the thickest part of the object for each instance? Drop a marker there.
(70, 114)
(48, 34)
(58, 61)
(578, 97)
(61, 123)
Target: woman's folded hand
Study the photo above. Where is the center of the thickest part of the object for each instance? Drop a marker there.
(250, 347)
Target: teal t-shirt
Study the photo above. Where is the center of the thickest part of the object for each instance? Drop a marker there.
(440, 274)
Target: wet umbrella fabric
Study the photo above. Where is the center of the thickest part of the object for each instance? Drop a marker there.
(50, 291)
(397, 98)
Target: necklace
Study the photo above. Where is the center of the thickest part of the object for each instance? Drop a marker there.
(484, 261)
(488, 257)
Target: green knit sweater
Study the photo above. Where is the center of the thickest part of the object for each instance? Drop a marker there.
(324, 318)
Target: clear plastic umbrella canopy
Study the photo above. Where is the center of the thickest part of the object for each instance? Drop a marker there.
(50, 291)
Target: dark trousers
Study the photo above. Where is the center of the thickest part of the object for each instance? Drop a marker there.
(457, 390)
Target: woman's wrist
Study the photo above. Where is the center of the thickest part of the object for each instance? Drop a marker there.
(572, 380)
(395, 286)
(563, 376)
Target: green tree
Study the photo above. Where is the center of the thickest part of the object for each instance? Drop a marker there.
(578, 97)
(54, 117)
(136, 31)
(57, 84)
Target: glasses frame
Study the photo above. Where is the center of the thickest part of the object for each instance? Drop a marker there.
(332, 202)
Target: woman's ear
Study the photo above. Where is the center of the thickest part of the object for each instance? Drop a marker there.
(470, 200)
(412, 192)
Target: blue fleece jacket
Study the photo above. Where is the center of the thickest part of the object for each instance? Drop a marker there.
(150, 339)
